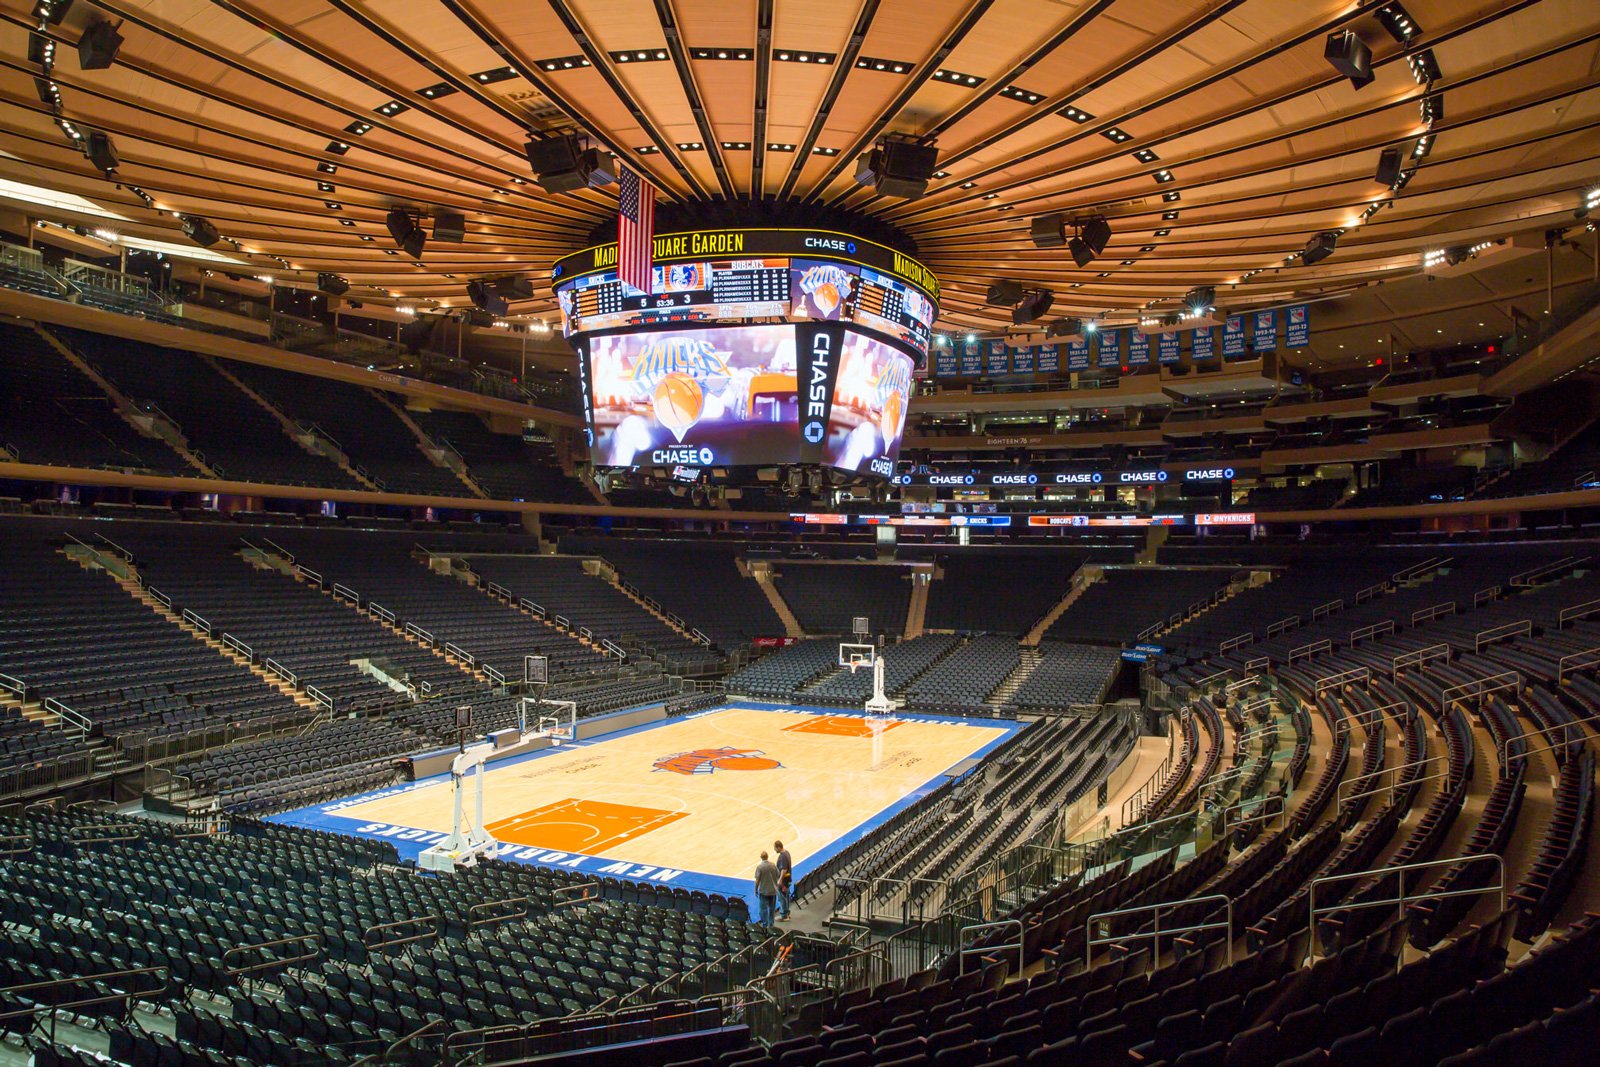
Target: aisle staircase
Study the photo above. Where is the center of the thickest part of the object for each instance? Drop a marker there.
(1082, 579)
(761, 571)
(1022, 672)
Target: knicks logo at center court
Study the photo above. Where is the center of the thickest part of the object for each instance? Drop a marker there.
(707, 760)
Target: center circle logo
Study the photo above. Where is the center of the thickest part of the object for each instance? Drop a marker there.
(851, 248)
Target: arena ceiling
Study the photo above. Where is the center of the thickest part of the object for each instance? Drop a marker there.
(1213, 135)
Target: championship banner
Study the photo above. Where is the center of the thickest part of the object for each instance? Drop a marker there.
(1049, 359)
(817, 346)
(971, 358)
(1138, 348)
(1297, 332)
(1110, 348)
(1169, 347)
(946, 361)
(1022, 360)
(1203, 344)
(1233, 337)
(997, 362)
(1266, 331)
(1078, 355)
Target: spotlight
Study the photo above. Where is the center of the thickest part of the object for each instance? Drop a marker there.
(1388, 171)
(1035, 304)
(450, 226)
(49, 93)
(200, 231)
(1398, 22)
(97, 48)
(1064, 328)
(1049, 231)
(333, 284)
(562, 165)
(405, 231)
(1320, 247)
(1200, 298)
(899, 166)
(1004, 294)
(1350, 56)
(482, 295)
(49, 12)
(101, 152)
(42, 51)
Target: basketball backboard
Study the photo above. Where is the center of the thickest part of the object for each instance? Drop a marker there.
(853, 655)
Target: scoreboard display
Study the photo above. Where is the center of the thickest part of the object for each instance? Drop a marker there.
(778, 275)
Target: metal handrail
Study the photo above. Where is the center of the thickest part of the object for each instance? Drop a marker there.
(1364, 715)
(1439, 610)
(1233, 643)
(583, 896)
(1329, 608)
(473, 922)
(1403, 899)
(1090, 941)
(1521, 628)
(314, 939)
(1505, 746)
(1260, 802)
(1333, 681)
(1490, 684)
(1259, 663)
(347, 593)
(7, 840)
(1009, 946)
(1310, 649)
(1576, 611)
(1418, 658)
(107, 831)
(1360, 632)
(16, 685)
(426, 925)
(398, 1044)
(52, 1008)
(1396, 784)
(1564, 664)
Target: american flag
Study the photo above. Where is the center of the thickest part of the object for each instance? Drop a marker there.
(636, 231)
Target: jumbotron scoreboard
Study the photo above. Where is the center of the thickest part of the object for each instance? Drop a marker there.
(755, 347)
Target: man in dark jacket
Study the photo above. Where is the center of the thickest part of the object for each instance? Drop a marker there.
(785, 880)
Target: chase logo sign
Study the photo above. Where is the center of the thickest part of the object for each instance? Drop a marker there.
(686, 454)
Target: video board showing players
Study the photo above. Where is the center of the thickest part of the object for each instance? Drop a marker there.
(891, 306)
(870, 397)
(699, 397)
(684, 292)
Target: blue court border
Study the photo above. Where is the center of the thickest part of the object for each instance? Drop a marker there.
(410, 841)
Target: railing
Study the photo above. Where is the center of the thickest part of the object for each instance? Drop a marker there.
(420, 634)
(1589, 657)
(1260, 663)
(196, 621)
(1404, 898)
(1364, 595)
(1532, 575)
(1327, 609)
(308, 574)
(101, 833)
(16, 844)
(493, 912)
(288, 556)
(1479, 687)
(1407, 573)
(239, 646)
(1363, 633)
(1334, 681)
(381, 612)
(281, 671)
(1395, 781)
(1484, 596)
(1134, 806)
(494, 675)
(536, 610)
(461, 654)
(1236, 642)
(344, 592)
(562, 621)
(1418, 657)
(165, 601)
(1445, 607)
(1232, 689)
(969, 932)
(1577, 611)
(1543, 731)
(1306, 651)
(74, 720)
(421, 928)
(314, 940)
(499, 590)
(1155, 910)
(387, 1055)
(40, 993)
(11, 683)
(1523, 628)
(320, 697)
(1283, 626)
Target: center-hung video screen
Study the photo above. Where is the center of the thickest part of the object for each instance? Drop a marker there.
(759, 395)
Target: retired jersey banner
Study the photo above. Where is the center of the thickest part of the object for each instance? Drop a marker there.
(1078, 355)
(946, 361)
(1022, 360)
(1169, 347)
(1265, 331)
(1111, 348)
(1233, 337)
(1138, 348)
(971, 358)
(1297, 331)
(997, 363)
(1049, 361)
(1203, 344)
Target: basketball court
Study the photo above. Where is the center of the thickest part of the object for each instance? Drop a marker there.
(690, 801)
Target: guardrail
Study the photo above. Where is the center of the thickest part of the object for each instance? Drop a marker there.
(1522, 628)
(536, 610)
(239, 646)
(615, 649)
(1327, 609)
(461, 654)
(1155, 910)
(1589, 656)
(104, 832)
(11, 683)
(420, 928)
(491, 912)
(1407, 573)
(380, 612)
(74, 719)
(344, 592)
(562, 621)
(496, 589)
(1364, 595)
(1333, 681)
(165, 601)
(195, 620)
(1577, 611)
(312, 939)
(1403, 898)
(1541, 731)
(1533, 574)
(1483, 596)
(1283, 625)
(420, 634)
(307, 573)
(1260, 663)
(1363, 633)
(586, 633)
(1444, 607)
(43, 1003)
(320, 697)
(1418, 657)
(281, 671)
(1480, 687)
(981, 950)
(1236, 642)
(493, 675)
(279, 549)
(1306, 651)
(1341, 796)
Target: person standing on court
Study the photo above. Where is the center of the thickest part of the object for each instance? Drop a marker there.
(785, 880)
(766, 888)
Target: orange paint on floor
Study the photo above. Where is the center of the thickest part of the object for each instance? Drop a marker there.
(841, 726)
(586, 826)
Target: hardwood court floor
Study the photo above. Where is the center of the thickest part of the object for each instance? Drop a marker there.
(706, 793)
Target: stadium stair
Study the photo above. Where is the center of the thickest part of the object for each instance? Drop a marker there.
(152, 426)
(761, 571)
(1024, 670)
(438, 455)
(1086, 576)
(917, 612)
